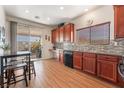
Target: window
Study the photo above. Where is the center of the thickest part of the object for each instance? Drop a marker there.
(29, 39)
(97, 34)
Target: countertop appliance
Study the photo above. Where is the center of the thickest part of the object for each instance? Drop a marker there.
(68, 58)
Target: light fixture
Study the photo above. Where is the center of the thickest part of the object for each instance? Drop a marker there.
(61, 8)
(48, 18)
(86, 10)
(26, 11)
(37, 17)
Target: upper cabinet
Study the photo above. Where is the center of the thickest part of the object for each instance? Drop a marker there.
(63, 33)
(61, 30)
(57, 35)
(69, 32)
(119, 21)
(53, 36)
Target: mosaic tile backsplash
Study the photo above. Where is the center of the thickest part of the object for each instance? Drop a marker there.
(115, 47)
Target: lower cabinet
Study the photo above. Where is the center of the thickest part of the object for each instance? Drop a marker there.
(57, 57)
(89, 63)
(107, 67)
(101, 65)
(77, 60)
(61, 57)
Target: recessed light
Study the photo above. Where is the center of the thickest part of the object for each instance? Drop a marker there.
(37, 17)
(26, 11)
(48, 18)
(61, 8)
(86, 10)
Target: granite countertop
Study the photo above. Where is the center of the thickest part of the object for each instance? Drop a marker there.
(103, 52)
(115, 53)
(98, 52)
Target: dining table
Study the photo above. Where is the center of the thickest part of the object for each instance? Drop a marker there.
(3, 60)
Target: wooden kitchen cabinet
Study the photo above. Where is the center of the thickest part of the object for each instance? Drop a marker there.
(61, 57)
(119, 21)
(89, 63)
(57, 35)
(64, 33)
(107, 67)
(57, 56)
(77, 60)
(61, 34)
(69, 32)
(53, 37)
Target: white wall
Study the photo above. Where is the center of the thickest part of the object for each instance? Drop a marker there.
(45, 30)
(2, 22)
(47, 45)
(100, 15)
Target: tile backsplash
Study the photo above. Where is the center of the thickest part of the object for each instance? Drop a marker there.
(113, 47)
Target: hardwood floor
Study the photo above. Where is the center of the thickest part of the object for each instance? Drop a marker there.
(51, 74)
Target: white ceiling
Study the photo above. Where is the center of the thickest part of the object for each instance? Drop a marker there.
(49, 14)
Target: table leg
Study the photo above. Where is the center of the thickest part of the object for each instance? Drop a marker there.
(29, 69)
(6, 65)
(2, 74)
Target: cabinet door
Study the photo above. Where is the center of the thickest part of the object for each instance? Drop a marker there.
(107, 70)
(89, 65)
(69, 33)
(57, 35)
(77, 60)
(53, 40)
(57, 56)
(61, 34)
(119, 21)
(61, 58)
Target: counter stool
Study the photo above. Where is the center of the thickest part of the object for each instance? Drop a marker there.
(10, 73)
(32, 65)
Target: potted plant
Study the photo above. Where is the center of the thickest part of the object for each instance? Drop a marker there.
(6, 48)
(36, 48)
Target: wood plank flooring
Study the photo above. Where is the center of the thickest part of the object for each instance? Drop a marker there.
(52, 74)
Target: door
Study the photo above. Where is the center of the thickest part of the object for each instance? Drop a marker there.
(119, 21)
(89, 65)
(69, 33)
(77, 60)
(57, 35)
(61, 57)
(53, 36)
(107, 70)
(61, 34)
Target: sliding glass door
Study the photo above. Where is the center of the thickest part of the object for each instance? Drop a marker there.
(29, 39)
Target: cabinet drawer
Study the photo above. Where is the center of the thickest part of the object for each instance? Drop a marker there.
(75, 53)
(91, 55)
(107, 58)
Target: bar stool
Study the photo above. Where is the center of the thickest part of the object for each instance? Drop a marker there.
(10, 73)
(32, 66)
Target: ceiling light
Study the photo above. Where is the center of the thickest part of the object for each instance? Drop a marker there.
(48, 18)
(37, 17)
(26, 11)
(86, 10)
(61, 8)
